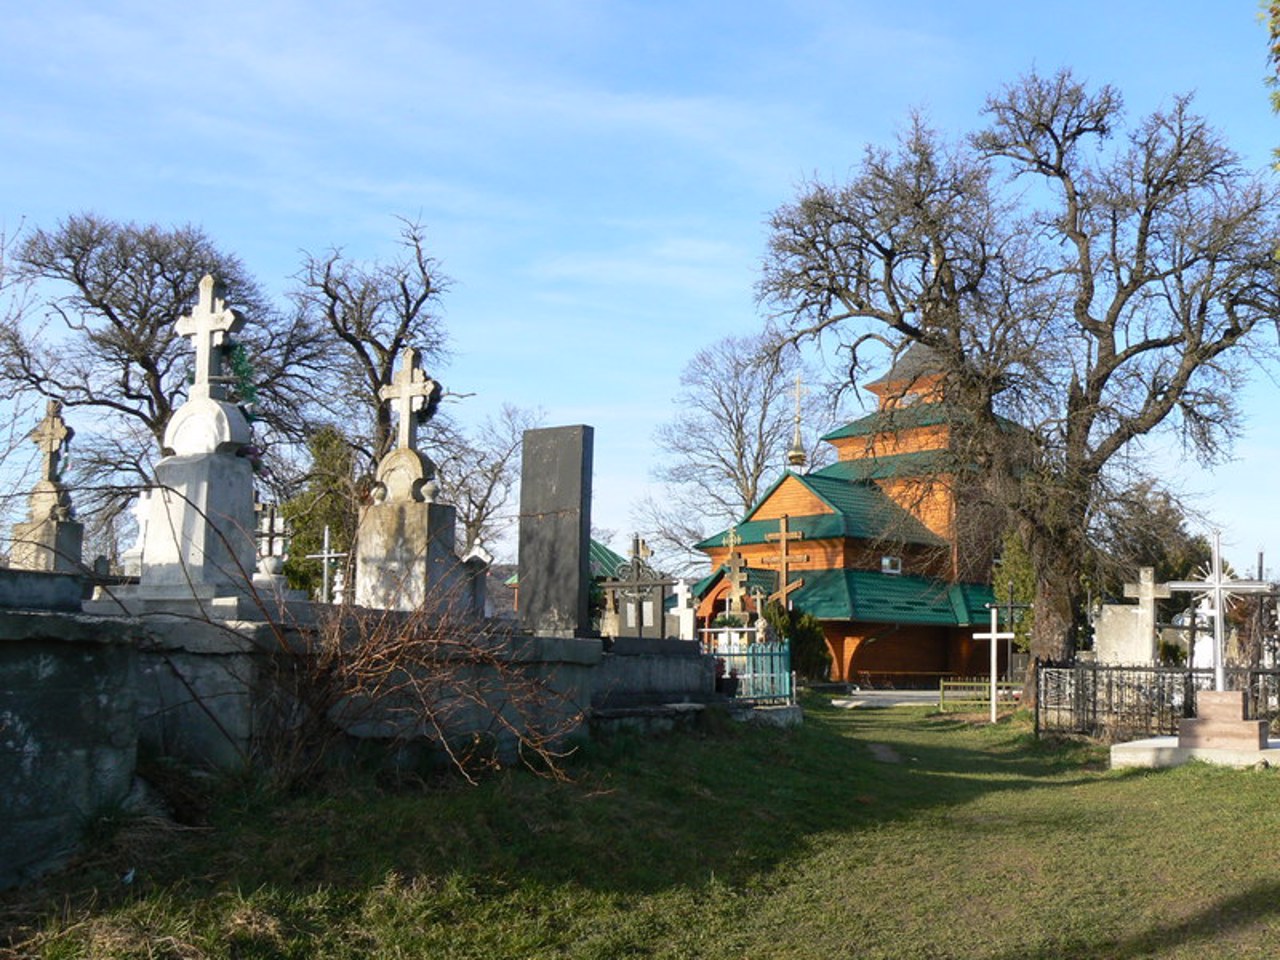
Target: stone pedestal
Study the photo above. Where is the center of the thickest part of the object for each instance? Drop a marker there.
(1220, 724)
(199, 535)
(50, 545)
(405, 559)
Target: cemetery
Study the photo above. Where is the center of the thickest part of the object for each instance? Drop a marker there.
(206, 657)
(315, 643)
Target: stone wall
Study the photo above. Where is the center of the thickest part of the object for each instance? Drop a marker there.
(81, 696)
(68, 733)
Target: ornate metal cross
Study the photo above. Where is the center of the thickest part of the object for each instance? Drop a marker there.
(637, 581)
(784, 537)
(1218, 588)
(49, 436)
(410, 391)
(207, 326)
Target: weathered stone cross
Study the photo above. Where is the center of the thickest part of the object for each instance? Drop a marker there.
(784, 537)
(737, 575)
(408, 391)
(49, 436)
(1218, 588)
(207, 326)
(1146, 591)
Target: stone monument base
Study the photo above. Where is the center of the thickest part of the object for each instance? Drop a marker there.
(405, 561)
(1218, 734)
(53, 546)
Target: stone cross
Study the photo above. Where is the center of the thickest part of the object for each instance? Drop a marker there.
(410, 390)
(785, 558)
(49, 436)
(1146, 591)
(1218, 588)
(208, 326)
(737, 574)
(995, 635)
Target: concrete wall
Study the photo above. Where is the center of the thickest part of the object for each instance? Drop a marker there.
(80, 696)
(68, 733)
(653, 671)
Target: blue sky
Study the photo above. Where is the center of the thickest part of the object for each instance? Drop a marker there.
(595, 177)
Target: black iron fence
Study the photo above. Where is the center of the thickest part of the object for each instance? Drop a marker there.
(1126, 702)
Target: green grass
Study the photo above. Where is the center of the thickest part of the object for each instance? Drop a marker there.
(735, 842)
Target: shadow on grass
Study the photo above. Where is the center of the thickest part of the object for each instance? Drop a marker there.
(1213, 926)
(638, 816)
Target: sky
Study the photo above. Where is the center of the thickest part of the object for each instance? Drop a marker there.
(595, 177)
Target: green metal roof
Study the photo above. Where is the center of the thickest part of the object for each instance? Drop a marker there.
(869, 596)
(861, 510)
(923, 463)
(604, 562)
(897, 418)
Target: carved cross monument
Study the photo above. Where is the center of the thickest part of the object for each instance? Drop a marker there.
(49, 539)
(49, 435)
(1218, 588)
(208, 325)
(410, 391)
(1146, 591)
(737, 574)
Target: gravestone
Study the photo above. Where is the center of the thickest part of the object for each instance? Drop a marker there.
(555, 530)
(1125, 634)
(200, 528)
(404, 547)
(686, 611)
(50, 539)
(131, 559)
(637, 594)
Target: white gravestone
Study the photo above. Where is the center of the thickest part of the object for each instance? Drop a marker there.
(200, 529)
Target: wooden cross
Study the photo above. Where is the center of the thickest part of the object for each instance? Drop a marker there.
(995, 635)
(785, 558)
(49, 435)
(207, 326)
(1218, 588)
(409, 390)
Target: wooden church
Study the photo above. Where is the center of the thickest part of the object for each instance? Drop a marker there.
(871, 545)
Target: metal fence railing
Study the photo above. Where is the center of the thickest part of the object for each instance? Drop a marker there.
(1112, 701)
(747, 670)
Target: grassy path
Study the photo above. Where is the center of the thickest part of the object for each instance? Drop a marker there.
(867, 833)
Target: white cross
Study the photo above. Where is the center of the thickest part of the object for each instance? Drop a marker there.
(995, 636)
(409, 390)
(207, 326)
(325, 556)
(1217, 587)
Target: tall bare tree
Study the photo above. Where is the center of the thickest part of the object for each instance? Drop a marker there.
(734, 425)
(1094, 284)
(97, 333)
(479, 471)
(374, 311)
